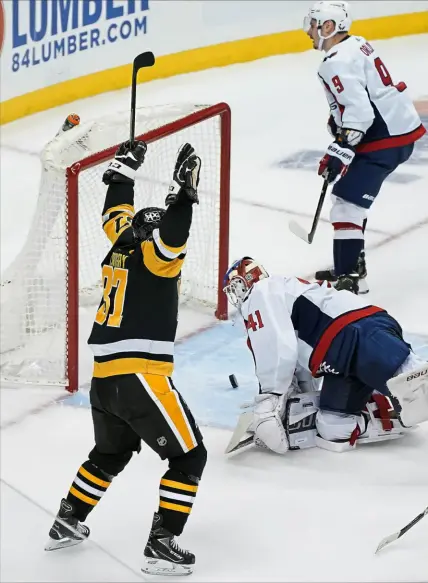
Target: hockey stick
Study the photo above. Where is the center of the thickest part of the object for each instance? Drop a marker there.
(241, 429)
(392, 537)
(300, 231)
(146, 59)
(247, 441)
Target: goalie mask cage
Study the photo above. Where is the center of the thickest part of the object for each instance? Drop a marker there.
(57, 273)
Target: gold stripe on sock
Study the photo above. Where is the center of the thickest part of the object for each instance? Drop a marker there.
(83, 497)
(178, 485)
(177, 507)
(93, 478)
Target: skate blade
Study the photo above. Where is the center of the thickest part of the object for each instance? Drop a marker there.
(162, 567)
(363, 287)
(54, 545)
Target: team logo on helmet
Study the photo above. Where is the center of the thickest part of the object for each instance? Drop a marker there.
(152, 216)
(145, 221)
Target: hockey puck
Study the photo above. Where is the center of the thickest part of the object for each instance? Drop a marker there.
(233, 381)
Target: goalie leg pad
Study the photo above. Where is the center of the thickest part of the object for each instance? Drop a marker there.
(341, 431)
(381, 421)
(335, 426)
(338, 431)
(410, 388)
(300, 419)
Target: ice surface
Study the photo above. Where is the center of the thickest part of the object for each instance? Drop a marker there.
(308, 516)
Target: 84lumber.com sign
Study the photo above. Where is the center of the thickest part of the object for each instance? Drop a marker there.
(45, 30)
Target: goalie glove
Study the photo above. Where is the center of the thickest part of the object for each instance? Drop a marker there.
(185, 179)
(267, 423)
(126, 162)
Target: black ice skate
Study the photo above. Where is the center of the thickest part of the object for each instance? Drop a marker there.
(348, 283)
(162, 555)
(361, 269)
(66, 531)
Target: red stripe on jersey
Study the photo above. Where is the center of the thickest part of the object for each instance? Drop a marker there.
(330, 333)
(251, 348)
(393, 141)
(318, 281)
(347, 227)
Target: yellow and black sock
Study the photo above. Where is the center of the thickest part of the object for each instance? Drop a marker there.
(87, 489)
(177, 493)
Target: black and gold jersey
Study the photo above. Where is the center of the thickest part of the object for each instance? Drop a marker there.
(136, 322)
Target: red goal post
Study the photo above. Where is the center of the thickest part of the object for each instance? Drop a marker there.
(208, 128)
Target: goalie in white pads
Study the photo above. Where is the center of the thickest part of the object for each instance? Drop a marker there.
(374, 386)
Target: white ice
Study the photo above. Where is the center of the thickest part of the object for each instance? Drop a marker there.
(308, 516)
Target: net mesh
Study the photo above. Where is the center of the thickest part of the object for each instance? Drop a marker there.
(34, 342)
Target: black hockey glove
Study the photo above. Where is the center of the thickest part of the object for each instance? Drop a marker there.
(185, 179)
(126, 162)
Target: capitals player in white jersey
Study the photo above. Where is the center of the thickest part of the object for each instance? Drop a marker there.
(373, 385)
(374, 125)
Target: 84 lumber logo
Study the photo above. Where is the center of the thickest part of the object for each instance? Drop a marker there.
(45, 30)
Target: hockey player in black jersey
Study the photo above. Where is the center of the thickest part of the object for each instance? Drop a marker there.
(132, 395)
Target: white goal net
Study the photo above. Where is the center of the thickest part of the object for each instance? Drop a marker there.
(58, 268)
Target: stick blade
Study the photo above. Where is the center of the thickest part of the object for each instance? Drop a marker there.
(244, 443)
(386, 541)
(243, 424)
(299, 231)
(146, 59)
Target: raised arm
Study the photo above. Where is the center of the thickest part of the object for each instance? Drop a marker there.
(118, 210)
(165, 252)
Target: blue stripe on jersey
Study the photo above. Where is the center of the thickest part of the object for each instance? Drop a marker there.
(378, 130)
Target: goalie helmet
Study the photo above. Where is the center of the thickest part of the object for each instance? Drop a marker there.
(240, 278)
(145, 221)
(338, 12)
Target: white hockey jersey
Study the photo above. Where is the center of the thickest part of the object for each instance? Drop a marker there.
(362, 96)
(292, 323)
